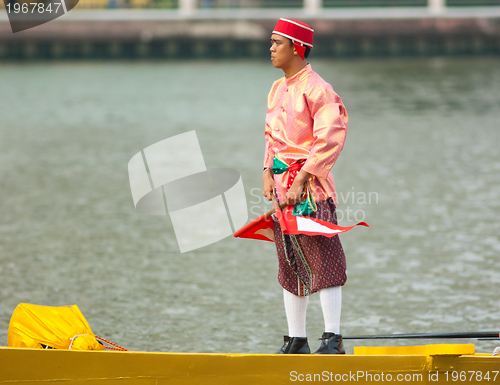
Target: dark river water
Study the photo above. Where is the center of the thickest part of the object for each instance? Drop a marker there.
(421, 165)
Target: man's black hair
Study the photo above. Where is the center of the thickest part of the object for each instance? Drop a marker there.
(306, 53)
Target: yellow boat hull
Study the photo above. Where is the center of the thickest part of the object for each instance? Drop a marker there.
(429, 364)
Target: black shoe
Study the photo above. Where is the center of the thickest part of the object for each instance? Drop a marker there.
(294, 345)
(285, 345)
(331, 343)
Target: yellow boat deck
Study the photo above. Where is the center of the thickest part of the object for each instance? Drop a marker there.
(427, 364)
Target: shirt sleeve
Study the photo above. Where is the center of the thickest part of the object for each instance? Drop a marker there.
(269, 152)
(329, 130)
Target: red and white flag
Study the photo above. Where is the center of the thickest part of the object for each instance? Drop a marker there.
(262, 227)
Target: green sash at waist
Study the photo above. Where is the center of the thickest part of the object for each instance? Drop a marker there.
(308, 206)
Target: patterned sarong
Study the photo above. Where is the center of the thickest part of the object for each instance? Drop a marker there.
(310, 263)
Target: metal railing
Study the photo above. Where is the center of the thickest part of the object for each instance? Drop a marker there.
(469, 3)
(373, 3)
(249, 4)
(191, 5)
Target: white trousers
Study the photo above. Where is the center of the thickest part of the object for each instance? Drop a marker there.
(296, 309)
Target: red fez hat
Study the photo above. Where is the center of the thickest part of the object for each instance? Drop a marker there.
(300, 33)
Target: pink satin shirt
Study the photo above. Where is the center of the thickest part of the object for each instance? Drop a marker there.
(305, 120)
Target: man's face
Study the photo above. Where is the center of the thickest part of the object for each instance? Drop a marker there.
(282, 52)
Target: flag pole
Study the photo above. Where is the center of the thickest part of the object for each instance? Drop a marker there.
(275, 204)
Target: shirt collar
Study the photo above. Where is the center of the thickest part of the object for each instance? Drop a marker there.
(299, 76)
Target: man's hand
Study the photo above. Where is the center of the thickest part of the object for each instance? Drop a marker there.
(294, 194)
(268, 184)
(296, 191)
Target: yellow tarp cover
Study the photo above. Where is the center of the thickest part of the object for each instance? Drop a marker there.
(65, 327)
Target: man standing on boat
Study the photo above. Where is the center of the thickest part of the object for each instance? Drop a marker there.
(306, 126)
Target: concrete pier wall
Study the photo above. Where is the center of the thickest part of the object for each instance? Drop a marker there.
(133, 34)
